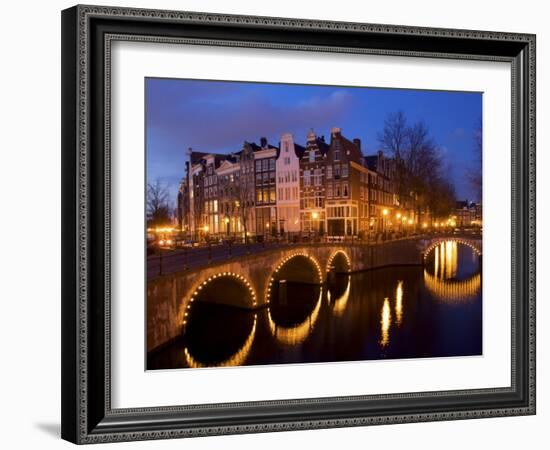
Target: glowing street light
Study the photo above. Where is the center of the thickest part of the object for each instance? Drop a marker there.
(315, 215)
(398, 215)
(410, 222)
(206, 228)
(385, 212)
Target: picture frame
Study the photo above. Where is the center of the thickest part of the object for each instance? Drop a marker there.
(87, 413)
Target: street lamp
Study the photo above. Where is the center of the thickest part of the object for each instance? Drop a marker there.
(226, 220)
(384, 223)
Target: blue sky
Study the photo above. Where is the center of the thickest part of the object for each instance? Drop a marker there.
(215, 116)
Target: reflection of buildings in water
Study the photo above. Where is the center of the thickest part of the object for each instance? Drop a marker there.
(385, 323)
(237, 359)
(339, 305)
(442, 284)
(446, 260)
(296, 334)
(399, 302)
(452, 290)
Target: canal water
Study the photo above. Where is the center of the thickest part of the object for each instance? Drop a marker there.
(389, 313)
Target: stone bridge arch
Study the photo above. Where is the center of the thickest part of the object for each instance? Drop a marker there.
(339, 261)
(428, 245)
(287, 271)
(169, 296)
(238, 291)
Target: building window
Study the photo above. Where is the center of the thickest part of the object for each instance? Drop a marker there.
(317, 177)
(336, 171)
(344, 170)
(258, 165)
(329, 172)
(272, 197)
(312, 155)
(306, 178)
(265, 165)
(329, 190)
(318, 200)
(272, 164)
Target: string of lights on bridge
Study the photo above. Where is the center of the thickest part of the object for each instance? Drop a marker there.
(212, 278)
(433, 245)
(283, 262)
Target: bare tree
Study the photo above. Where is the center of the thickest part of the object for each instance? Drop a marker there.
(475, 173)
(392, 140)
(419, 168)
(158, 209)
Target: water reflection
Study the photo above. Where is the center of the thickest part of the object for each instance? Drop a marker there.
(337, 299)
(297, 333)
(443, 278)
(399, 302)
(385, 323)
(396, 312)
(237, 359)
(229, 331)
(453, 291)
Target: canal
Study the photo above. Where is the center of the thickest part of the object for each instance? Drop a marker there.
(388, 313)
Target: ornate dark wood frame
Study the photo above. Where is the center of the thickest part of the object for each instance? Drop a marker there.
(87, 33)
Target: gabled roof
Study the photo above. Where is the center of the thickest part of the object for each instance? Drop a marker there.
(320, 144)
(299, 150)
(349, 147)
(196, 157)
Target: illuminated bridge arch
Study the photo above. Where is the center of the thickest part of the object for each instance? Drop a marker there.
(234, 286)
(289, 269)
(339, 261)
(474, 245)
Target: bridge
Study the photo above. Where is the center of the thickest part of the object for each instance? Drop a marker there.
(248, 280)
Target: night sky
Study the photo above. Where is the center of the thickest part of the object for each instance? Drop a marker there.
(213, 116)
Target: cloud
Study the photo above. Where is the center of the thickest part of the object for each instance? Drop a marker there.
(221, 119)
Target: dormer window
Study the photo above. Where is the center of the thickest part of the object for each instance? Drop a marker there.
(312, 155)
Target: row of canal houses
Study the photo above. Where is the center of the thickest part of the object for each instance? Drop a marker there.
(326, 188)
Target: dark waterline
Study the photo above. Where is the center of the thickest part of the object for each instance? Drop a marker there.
(391, 313)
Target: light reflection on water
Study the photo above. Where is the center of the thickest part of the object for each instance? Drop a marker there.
(385, 323)
(399, 312)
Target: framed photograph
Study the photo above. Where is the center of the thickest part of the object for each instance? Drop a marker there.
(281, 224)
